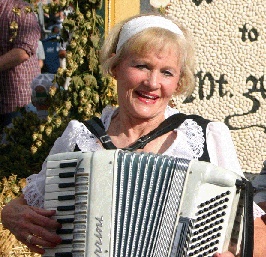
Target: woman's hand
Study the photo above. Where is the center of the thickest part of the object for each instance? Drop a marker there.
(260, 237)
(30, 225)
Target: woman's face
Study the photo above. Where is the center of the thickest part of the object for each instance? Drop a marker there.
(146, 83)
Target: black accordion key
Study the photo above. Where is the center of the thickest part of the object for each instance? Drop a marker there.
(66, 197)
(66, 220)
(64, 231)
(66, 175)
(68, 164)
(66, 241)
(64, 185)
(66, 208)
(63, 254)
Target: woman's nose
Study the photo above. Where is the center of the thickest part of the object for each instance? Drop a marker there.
(153, 79)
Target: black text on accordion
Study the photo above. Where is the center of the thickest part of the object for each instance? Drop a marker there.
(116, 203)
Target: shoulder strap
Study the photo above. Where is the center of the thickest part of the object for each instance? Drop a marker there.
(96, 127)
(203, 123)
(174, 121)
(167, 125)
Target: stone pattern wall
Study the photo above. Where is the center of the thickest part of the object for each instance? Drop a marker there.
(230, 40)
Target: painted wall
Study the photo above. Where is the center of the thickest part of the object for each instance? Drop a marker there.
(118, 10)
(230, 39)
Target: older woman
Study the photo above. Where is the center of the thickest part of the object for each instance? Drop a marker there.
(152, 59)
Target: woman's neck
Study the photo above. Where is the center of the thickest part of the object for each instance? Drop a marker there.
(125, 131)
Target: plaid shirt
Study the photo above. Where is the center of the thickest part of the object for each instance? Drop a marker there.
(15, 89)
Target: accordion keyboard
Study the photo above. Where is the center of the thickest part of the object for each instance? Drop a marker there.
(60, 196)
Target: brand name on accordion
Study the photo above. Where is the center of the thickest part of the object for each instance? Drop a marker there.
(98, 234)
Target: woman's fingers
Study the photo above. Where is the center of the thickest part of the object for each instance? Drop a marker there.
(30, 225)
(42, 218)
(41, 227)
(47, 236)
(36, 244)
(35, 249)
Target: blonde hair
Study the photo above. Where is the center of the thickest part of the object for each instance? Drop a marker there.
(157, 39)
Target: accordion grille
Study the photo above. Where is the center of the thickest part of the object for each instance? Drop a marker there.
(148, 193)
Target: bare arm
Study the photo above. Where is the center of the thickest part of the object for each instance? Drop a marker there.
(13, 58)
(259, 239)
(40, 63)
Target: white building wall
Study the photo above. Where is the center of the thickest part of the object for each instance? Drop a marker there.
(230, 40)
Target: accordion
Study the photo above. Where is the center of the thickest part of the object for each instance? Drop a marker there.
(116, 203)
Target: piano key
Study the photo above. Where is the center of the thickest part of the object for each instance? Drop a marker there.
(66, 185)
(60, 163)
(66, 174)
(61, 213)
(56, 203)
(62, 252)
(66, 197)
(68, 164)
(57, 180)
(65, 219)
(68, 226)
(56, 172)
(66, 241)
(69, 254)
(66, 208)
(62, 231)
(55, 195)
(55, 188)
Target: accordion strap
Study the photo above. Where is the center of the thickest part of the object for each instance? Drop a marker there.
(174, 121)
(96, 127)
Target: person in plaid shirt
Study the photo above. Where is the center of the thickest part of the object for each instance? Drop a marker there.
(19, 37)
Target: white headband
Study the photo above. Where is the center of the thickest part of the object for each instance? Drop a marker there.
(138, 24)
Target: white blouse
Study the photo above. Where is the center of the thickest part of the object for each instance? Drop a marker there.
(188, 144)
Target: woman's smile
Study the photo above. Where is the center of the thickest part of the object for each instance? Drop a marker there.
(146, 96)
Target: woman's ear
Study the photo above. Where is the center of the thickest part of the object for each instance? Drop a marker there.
(178, 89)
(114, 72)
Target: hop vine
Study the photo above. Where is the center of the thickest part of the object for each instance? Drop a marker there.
(80, 91)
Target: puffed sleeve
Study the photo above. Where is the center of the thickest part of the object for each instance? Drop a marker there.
(221, 148)
(222, 153)
(34, 190)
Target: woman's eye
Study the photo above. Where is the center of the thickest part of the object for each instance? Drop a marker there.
(167, 73)
(141, 66)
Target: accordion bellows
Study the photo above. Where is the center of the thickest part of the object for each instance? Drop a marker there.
(128, 204)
